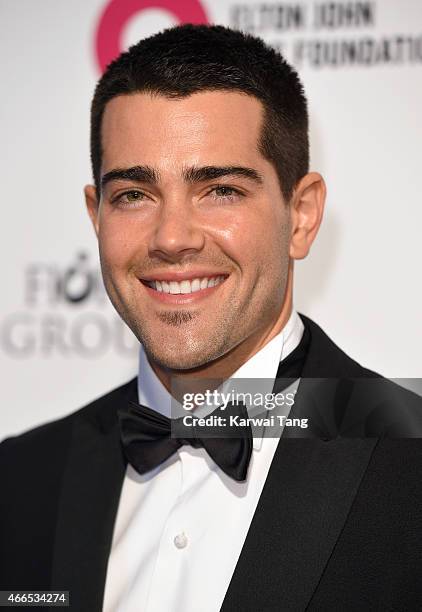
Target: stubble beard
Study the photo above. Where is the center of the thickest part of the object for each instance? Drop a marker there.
(176, 318)
(196, 350)
(223, 330)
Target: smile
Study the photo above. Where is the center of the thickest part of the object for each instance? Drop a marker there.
(185, 286)
(183, 291)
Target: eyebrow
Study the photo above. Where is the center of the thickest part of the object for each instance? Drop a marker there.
(207, 173)
(140, 174)
(193, 174)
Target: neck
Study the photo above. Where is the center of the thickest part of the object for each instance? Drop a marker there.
(223, 367)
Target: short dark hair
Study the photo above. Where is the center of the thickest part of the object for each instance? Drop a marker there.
(187, 59)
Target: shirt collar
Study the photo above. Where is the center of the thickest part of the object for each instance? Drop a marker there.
(264, 364)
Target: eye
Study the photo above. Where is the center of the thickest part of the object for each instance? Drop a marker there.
(129, 199)
(225, 193)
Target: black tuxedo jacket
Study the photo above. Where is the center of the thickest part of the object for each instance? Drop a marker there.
(338, 525)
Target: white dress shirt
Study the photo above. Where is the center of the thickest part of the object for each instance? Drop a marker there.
(180, 528)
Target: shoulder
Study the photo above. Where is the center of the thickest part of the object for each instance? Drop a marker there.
(33, 471)
(41, 446)
(363, 402)
(327, 360)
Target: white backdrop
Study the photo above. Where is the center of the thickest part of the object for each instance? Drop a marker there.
(61, 344)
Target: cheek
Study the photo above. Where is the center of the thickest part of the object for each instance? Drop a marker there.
(120, 242)
(256, 239)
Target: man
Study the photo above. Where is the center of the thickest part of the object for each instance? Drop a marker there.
(202, 200)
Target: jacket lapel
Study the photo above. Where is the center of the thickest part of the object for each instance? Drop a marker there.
(303, 507)
(88, 503)
(306, 498)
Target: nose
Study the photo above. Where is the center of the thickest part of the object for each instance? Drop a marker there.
(177, 231)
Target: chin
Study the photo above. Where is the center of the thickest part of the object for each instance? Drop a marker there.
(179, 359)
(180, 349)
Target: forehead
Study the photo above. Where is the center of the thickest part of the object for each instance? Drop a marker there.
(204, 128)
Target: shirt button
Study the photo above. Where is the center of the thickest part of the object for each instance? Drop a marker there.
(180, 541)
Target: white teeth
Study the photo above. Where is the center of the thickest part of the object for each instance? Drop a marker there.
(195, 285)
(174, 287)
(186, 286)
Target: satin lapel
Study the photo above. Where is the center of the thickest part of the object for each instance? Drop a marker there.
(88, 505)
(307, 496)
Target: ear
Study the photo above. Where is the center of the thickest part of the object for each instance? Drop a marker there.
(92, 205)
(307, 207)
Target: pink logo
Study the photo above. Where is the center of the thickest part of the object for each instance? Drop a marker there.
(116, 14)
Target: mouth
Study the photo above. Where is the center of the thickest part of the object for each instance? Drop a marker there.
(184, 291)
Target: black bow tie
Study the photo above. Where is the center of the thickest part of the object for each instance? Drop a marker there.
(147, 438)
(147, 435)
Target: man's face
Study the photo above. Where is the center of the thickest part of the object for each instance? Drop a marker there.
(194, 240)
